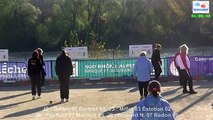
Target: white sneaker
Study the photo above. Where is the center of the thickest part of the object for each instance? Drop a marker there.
(33, 98)
(62, 100)
(67, 100)
(38, 97)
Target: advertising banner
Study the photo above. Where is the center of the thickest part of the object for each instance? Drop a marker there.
(11, 71)
(106, 68)
(4, 55)
(77, 52)
(14, 71)
(134, 50)
(48, 69)
(200, 66)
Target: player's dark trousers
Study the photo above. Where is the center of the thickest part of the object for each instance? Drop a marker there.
(36, 84)
(186, 78)
(143, 88)
(158, 71)
(43, 74)
(64, 86)
(180, 79)
(42, 80)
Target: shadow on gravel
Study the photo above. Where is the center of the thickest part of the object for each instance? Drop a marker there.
(178, 97)
(133, 90)
(170, 92)
(30, 111)
(108, 85)
(118, 110)
(3, 107)
(197, 101)
(115, 89)
(13, 96)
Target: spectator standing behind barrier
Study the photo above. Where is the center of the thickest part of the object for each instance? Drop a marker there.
(153, 107)
(182, 61)
(34, 71)
(142, 71)
(64, 69)
(43, 73)
(156, 61)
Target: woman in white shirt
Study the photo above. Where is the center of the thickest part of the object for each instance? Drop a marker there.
(183, 64)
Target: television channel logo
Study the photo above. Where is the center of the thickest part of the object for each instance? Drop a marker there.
(200, 7)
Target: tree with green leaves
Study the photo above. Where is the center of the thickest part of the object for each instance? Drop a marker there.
(49, 23)
(18, 21)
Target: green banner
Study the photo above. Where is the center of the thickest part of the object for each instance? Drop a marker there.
(105, 68)
(53, 71)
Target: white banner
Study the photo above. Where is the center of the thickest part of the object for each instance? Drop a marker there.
(134, 50)
(3, 54)
(77, 52)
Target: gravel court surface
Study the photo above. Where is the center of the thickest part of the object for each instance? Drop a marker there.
(113, 101)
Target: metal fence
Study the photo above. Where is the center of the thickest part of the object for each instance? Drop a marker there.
(112, 54)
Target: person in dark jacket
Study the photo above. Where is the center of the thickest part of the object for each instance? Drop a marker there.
(64, 69)
(43, 73)
(34, 72)
(156, 61)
